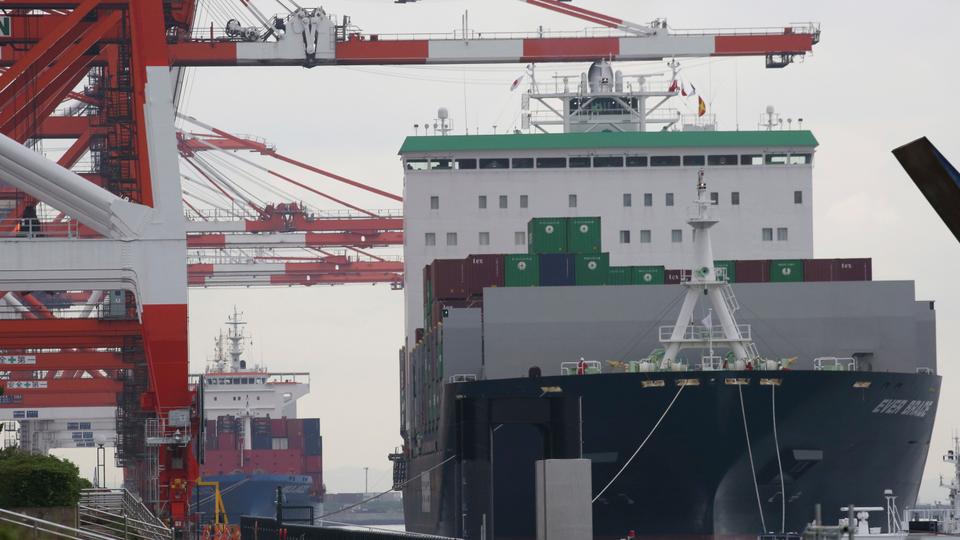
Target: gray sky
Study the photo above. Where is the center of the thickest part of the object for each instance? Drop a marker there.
(881, 76)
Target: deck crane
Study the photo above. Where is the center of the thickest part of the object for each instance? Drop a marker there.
(122, 55)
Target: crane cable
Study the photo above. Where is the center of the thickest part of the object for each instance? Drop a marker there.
(637, 451)
(753, 475)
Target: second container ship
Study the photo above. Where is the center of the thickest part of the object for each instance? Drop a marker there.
(254, 442)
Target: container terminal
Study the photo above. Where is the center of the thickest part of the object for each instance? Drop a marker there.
(534, 353)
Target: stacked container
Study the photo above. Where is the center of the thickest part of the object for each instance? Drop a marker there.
(583, 235)
(557, 269)
(591, 269)
(521, 270)
(649, 275)
(547, 235)
(784, 271)
(483, 271)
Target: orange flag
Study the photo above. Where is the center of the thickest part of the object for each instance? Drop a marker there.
(701, 106)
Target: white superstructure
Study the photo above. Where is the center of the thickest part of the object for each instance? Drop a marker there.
(231, 387)
(475, 194)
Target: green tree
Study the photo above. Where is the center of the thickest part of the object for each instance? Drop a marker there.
(34, 480)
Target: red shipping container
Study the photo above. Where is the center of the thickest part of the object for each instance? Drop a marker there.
(853, 269)
(483, 271)
(753, 271)
(448, 279)
(816, 270)
(226, 441)
(671, 277)
(278, 427)
(312, 464)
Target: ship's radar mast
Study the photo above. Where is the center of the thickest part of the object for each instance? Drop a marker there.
(236, 337)
(705, 281)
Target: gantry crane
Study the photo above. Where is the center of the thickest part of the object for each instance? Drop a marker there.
(119, 59)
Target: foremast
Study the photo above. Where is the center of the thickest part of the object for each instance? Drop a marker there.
(704, 281)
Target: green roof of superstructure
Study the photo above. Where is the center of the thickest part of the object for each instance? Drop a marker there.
(576, 141)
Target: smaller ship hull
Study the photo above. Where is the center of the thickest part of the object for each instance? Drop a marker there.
(256, 494)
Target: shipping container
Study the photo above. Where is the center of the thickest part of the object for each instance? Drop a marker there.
(728, 269)
(448, 279)
(418, 334)
(786, 270)
(621, 275)
(547, 235)
(852, 270)
(226, 441)
(312, 464)
(427, 286)
(483, 271)
(557, 269)
(673, 277)
(752, 271)
(583, 235)
(311, 437)
(818, 269)
(260, 426)
(262, 441)
(521, 270)
(591, 269)
(278, 427)
(651, 275)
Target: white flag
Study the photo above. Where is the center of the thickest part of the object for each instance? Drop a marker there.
(708, 320)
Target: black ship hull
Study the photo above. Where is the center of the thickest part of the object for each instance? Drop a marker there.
(842, 438)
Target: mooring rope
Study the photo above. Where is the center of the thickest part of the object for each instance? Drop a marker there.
(753, 475)
(637, 451)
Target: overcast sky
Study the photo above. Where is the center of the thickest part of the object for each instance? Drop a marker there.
(882, 75)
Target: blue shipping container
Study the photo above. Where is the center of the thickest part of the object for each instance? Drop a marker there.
(557, 269)
(311, 437)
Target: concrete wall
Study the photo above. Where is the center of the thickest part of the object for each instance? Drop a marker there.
(545, 326)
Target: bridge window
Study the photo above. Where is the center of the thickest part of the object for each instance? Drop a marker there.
(801, 159)
(466, 164)
(441, 164)
(776, 159)
(418, 164)
(722, 159)
(551, 162)
(636, 161)
(751, 159)
(579, 162)
(523, 163)
(494, 163)
(693, 161)
(665, 161)
(608, 161)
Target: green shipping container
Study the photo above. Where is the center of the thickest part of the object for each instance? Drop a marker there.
(521, 270)
(583, 235)
(592, 269)
(786, 270)
(729, 267)
(648, 275)
(621, 275)
(547, 235)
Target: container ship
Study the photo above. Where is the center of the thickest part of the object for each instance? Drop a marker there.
(543, 272)
(253, 440)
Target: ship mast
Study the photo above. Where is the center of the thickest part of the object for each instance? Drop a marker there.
(235, 337)
(704, 281)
